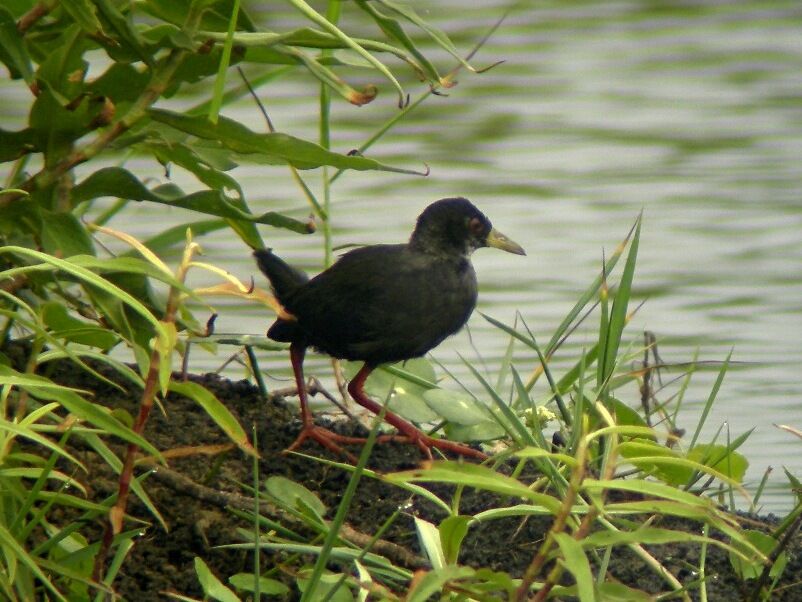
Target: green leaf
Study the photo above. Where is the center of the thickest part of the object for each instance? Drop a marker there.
(19, 430)
(63, 70)
(487, 430)
(442, 40)
(12, 48)
(134, 329)
(411, 406)
(225, 61)
(752, 570)
(720, 458)
(267, 586)
(177, 235)
(127, 36)
(305, 37)
(54, 126)
(453, 530)
(327, 25)
(794, 483)
(429, 539)
(83, 13)
(457, 406)
(537, 452)
(432, 582)
(121, 82)
(281, 54)
(710, 399)
(216, 411)
(71, 501)
(473, 475)
(63, 235)
(586, 297)
(577, 563)
(289, 493)
(684, 505)
(103, 450)
(663, 460)
(504, 414)
(186, 157)
(164, 347)
(131, 265)
(328, 582)
(35, 326)
(16, 144)
(642, 453)
(17, 554)
(86, 276)
(643, 535)
(618, 313)
(393, 30)
(404, 387)
(32, 472)
(215, 17)
(625, 415)
(419, 372)
(618, 592)
(197, 67)
(65, 326)
(211, 585)
(44, 389)
(120, 183)
(275, 147)
(507, 511)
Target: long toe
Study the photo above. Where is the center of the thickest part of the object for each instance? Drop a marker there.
(452, 447)
(328, 439)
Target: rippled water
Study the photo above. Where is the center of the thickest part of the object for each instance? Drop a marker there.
(601, 110)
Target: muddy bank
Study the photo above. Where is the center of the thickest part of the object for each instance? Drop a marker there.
(193, 493)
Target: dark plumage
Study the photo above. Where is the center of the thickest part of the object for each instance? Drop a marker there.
(386, 303)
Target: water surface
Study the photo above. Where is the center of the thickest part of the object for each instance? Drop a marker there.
(600, 111)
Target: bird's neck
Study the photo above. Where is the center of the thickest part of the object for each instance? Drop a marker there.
(431, 243)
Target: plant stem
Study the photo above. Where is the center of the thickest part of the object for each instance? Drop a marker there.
(29, 19)
(117, 512)
(560, 521)
(332, 15)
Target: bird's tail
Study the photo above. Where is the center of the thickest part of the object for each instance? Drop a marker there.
(284, 279)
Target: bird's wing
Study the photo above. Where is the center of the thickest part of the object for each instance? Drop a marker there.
(383, 303)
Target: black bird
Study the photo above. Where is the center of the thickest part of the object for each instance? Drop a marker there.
(382, 304)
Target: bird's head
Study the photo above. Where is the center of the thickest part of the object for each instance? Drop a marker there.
(456, 226)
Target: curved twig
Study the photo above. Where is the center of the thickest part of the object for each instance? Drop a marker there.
(186, 486)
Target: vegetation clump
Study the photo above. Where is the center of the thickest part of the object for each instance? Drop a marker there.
(102, 497)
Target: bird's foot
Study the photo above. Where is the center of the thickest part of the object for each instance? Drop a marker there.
(329, 439)
(426, 443)
(334, 441)
(456, 448)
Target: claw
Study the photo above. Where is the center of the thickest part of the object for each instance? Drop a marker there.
(327, 439)
(333, 441)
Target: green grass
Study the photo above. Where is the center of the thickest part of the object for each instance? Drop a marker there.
(64, 297)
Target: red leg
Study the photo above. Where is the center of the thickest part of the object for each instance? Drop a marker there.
(309, 430)
(423, 441)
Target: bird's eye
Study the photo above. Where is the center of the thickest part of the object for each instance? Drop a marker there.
(476, 226)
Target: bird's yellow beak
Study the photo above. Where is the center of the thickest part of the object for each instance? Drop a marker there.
(499, 241)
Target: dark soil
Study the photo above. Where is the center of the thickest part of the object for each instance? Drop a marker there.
(163, 561)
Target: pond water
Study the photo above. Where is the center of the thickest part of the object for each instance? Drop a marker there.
(600, 110)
